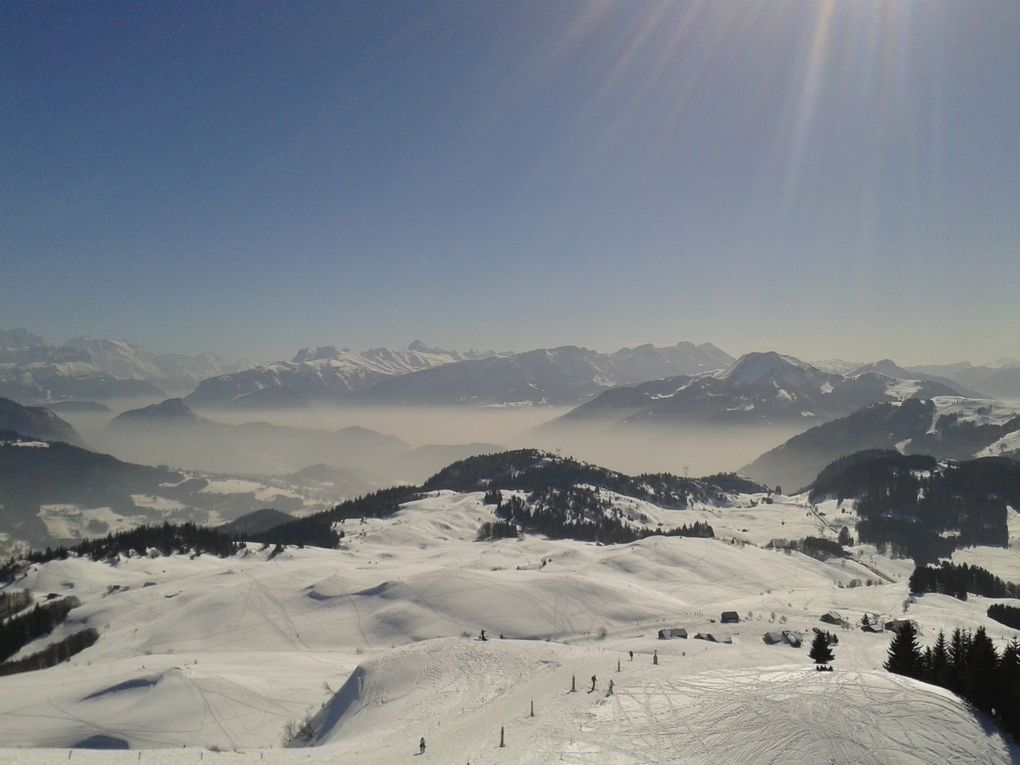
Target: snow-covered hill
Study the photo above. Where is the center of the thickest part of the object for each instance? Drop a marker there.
(951, 427)
(376, 644)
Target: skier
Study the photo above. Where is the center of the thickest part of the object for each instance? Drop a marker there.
(421, 746)
(483, 635)
(632, 656)
(592, 684)
(610, 691)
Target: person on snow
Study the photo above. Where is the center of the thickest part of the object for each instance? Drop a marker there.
(593, 683)
(482, 636)
(610, 691)
(421, 746)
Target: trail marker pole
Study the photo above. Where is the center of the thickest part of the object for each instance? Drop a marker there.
(532, 708)
(617, 665)
(502, 741)
(573, 683)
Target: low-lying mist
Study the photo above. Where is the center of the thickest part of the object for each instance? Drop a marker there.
(694, 450)
(417, 426)
(288, 440)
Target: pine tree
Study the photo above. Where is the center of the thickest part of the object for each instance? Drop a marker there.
(904, 656)
(959, 647)
(1007, 695)
(980, 675)
(820, 652)
(938, 672)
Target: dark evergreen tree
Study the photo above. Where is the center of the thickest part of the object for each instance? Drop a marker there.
(1007, 688)
(905, 656)
(959, 650)
(980, 673)
(939, 670)
(820, 652)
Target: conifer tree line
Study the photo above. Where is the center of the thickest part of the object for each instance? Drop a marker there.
(13, 601)
(24, 628)
(967, 664)
(318, 529)
(53, 653)
(959, 580)
(909, 502)
(816, 547)
(167, 539)
(577, 512)
(1003, 614)
(533, 470)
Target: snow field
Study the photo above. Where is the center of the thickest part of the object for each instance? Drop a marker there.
(376, 643)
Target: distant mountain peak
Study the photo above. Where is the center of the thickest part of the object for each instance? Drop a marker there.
(753, 367)
(171, 409)
(36, 422)
(886, 367)
(317, 353)
(419, 347)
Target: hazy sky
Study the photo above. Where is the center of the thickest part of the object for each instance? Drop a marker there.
(823, 178)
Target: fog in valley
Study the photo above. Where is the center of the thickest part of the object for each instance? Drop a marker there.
(404, 444)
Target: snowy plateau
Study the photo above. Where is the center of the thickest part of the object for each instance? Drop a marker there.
(374, 645)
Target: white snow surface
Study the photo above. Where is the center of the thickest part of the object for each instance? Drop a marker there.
(377, 643)
(1008, 444)
(978, 411)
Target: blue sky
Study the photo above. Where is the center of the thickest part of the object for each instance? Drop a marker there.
(822, 178)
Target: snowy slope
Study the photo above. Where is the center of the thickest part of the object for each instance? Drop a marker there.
(374, 642)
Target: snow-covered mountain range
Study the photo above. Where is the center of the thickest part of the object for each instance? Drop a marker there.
(319, 374)
(420, 375)
(32, 369)
(758, 388)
